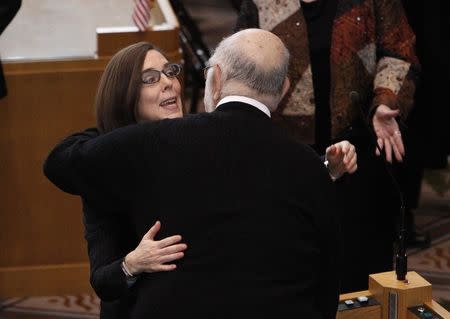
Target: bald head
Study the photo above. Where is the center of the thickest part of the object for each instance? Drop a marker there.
(253, 63)
(262, 47)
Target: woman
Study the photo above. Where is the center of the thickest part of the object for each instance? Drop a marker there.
(138, 84)
(348, 58)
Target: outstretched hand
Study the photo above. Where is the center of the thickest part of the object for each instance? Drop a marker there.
(341, 159)
(388, 133)
(152, 255)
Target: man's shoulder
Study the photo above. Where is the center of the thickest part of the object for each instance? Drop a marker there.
(298, 157)
(184, 123)
(298, 148)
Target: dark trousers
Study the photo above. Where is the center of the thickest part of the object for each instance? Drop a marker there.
(370, 208)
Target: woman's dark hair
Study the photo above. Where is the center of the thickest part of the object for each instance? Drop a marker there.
(118, 93)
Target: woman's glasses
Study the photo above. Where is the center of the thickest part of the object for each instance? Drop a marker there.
(152, 76)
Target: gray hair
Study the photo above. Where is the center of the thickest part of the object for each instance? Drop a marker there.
(237, 65)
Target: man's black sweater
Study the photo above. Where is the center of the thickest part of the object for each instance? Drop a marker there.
(255, 208)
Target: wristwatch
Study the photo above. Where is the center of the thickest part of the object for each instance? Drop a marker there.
(326, 163)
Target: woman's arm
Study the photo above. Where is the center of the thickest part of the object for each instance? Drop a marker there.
(107, 242)
(103, 169)
(395, 80)
(397, 65)
(111, 241)
(109, 238)
(75, 165)
(58, 167)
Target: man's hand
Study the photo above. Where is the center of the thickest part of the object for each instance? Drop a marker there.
(341, 159)
(388, 133)
(153, 255)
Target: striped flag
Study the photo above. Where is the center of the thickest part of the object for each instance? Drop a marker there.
(141, 13)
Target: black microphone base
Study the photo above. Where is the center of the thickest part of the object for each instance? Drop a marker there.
(401, 267)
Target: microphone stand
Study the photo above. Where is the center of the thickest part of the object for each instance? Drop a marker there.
(401, 259)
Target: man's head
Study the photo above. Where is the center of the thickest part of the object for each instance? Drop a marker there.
(252, 63)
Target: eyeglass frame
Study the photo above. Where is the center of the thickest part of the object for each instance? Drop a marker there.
(180, 68)
(206, 68)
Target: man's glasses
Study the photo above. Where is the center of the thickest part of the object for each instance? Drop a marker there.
(205, 70)
(152, 76)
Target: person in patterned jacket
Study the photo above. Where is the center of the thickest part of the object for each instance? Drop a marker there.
(353, 62)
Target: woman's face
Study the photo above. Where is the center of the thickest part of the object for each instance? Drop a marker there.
(162, 99)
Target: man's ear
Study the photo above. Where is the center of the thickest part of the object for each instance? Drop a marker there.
(217, 84)
(286, 85)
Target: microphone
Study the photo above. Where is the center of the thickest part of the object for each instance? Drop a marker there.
(401, 259)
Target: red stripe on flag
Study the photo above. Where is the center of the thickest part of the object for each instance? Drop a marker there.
(141, 14)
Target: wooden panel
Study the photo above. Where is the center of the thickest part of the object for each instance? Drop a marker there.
(51, 66)
(415, 292)
(372, 312)
(353, 295)
(376, 312)
(44, 280)
(111, 40)
(40, 224)
(441, 311)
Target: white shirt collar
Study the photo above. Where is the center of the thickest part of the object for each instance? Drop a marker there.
(246, 100)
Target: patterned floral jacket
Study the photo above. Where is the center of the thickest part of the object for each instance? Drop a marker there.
(372, 53)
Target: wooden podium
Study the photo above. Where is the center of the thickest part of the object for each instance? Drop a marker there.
(388, 298)
(43, 250)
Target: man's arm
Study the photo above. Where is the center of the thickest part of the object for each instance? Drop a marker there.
(340, 158)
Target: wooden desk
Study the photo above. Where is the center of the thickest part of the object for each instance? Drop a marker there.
(415, 292)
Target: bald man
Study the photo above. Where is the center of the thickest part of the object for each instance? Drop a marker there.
(255, 208)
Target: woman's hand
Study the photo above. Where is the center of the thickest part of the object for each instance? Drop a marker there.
(152, 255)
(388, 133)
